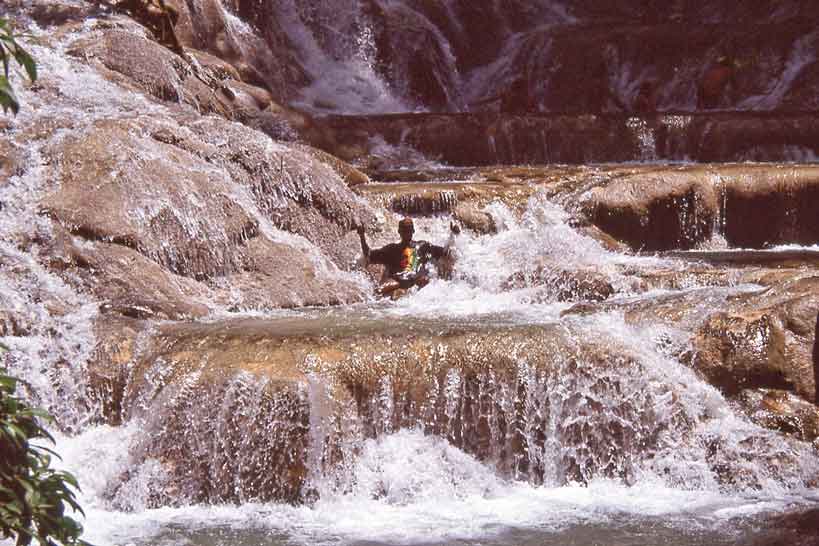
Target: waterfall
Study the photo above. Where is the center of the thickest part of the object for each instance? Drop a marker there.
(544, 390)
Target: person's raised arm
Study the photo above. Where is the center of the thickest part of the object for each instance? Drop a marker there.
(365, 248)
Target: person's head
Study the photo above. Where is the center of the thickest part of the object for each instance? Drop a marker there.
(406, 229)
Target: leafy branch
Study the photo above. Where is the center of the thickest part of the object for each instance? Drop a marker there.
(10, 49)
(34, 497)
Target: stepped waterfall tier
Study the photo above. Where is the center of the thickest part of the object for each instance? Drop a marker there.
(616, 347)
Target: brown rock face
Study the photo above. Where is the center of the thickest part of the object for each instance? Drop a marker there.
(654, 212)
(163, 208)
(783, 411)
(764, 207)
(757, 206)
(295, 397)
(760, 342)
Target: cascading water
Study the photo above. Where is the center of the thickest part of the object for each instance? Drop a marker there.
(529, 417)
(600, 438)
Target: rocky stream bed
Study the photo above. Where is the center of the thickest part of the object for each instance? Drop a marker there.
(620, 351)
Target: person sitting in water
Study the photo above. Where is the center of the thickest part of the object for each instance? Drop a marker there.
(405, 261)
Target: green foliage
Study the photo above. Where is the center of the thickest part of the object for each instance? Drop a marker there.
(10, 49)
(34, 497)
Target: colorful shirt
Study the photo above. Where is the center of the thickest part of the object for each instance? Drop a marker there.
(405, 260)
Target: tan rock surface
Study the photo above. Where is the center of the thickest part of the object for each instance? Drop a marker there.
(161, 208)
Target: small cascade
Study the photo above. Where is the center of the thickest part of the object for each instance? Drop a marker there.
(337, 51)
(646, 136)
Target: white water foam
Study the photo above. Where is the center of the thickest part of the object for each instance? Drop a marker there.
(409, 489)
(537, 244)
(345, 79)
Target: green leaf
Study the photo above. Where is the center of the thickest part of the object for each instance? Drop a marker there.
(7, 98)
(26, 61)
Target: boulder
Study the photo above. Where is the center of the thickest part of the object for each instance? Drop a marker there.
(655, 211)
(761, 340)
(564, 284)
(735, 351)
(154, 227)
(474, 219)
(782, 411)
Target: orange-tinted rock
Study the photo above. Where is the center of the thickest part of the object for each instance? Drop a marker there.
(655, 211)
(759, 341)
(782, 411)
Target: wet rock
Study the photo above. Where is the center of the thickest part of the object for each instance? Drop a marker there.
(765, 206)
(219, 68)
(250, 446)
(576, 138)
(13, 160)
(474, 219)
(13, 324)
(564, 284)
(760, 340)
(166, 210)
(655, 211)
(782, 411)
(800, 528)
(133, 286)
(109, 365)
(736, 352)
(154, 69)
(184, 216)
(299, 191)
(264, 58)
(352, 176)
(542, 404)
(276, 275)
(408, 43)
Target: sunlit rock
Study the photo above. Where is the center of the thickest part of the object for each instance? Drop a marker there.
(782, 410)
(296, 397)
(761, 341)
(655, 211)
(154, 69)
(564, 284)
(474, 219)
(159, 199)
(108, 368)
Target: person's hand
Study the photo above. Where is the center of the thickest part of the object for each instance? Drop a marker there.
(358, 226)
(454, 228)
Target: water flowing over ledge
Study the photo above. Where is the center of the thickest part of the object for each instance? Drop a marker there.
(182, 291)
